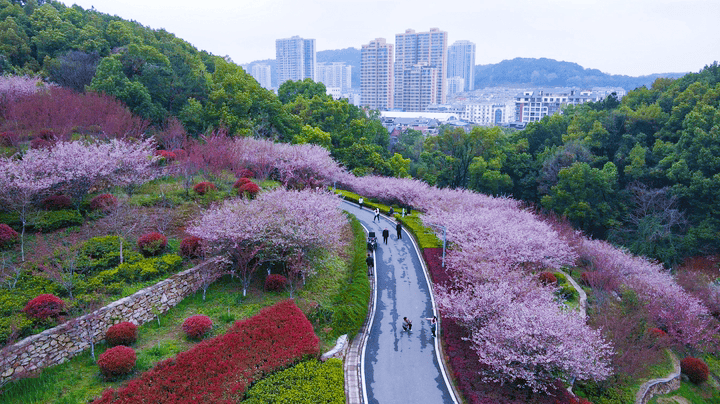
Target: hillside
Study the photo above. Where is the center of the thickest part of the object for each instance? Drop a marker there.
(530, 72)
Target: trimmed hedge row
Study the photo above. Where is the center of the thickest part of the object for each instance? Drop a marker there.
(306, 382)
(128, 272)
(45, 220)
(218, 370)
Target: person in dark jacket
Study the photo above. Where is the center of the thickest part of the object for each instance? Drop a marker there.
(370, 264)
(386, 234)
(398, 227)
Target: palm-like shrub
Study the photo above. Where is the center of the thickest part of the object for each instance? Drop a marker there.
(275, 283)
(152, 244)
(8, 236)
(117, 361)
(44, 306)
(190, 247)
(196, 327)
(103, 202)
(124, 333)
(204, 187)
(695, 369)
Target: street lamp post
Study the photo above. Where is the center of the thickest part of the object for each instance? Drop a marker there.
(444, 229)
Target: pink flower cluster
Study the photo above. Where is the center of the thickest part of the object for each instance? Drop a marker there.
(218, 370)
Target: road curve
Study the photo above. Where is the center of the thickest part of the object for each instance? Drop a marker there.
(399, 366)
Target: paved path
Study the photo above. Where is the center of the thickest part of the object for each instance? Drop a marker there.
(397, 366)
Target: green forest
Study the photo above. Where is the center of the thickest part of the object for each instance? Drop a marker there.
(642, 172)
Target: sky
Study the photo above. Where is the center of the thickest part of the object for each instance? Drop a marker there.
(630, 37)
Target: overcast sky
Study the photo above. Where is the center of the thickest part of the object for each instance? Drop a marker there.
(632, 37)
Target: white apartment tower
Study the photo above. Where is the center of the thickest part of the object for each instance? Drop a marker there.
(420, 61)
(376, 75)
(334, 75)
(461, 63)
(261, 73)
(295, 58)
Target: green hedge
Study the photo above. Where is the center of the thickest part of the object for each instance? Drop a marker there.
(306, 382)
(103, 253)
(143, 270)
(12, 301)
(49, 220)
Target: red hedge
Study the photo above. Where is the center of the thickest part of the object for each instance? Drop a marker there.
(658, 333)
(57, 202)
(8, 236)
(180, 154)
(44, 306)
(117, 361)
(218, 370)
(695, 369)
(245, 172)
(249, 188)
(190, 247)
(152, 243)
(202, 188)
(167, 155)
(241, 181)
(275, 283)
(103, 202)
(548, 278)
(124, 333)
(197, 326)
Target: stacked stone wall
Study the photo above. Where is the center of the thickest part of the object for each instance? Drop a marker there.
(71, 338)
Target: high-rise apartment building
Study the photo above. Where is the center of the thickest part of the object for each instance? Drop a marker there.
(419, 56)
(261, 73)
(461, 63)
(334, 75)
(376, 75)
(295, 58)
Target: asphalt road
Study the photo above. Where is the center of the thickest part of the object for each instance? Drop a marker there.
(400, 366)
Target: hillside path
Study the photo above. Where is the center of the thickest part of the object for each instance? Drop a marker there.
(398, 366)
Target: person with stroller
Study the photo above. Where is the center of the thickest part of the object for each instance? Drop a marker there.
(407, 324)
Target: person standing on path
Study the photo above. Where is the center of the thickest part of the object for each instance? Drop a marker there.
(433, 324)
(377, 215)
(407, 324)
(370, 264)
(360, 202)
(398, 227)
(386, 234)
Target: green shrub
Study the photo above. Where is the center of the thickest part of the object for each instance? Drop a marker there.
(46, 221)
(306, 382)
(102, 253)
(561, 278)
(143, 270)
(567, 292)
(12, 301)
(425, 236)
(11, 219)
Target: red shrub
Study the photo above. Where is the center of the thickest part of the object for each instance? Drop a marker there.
(241, 181)
(8, 139)
(167, 155)
(548, 278)
(152, 244)
(250, 189)
(103, 202)
(8, 236)
(220, 369)
(180, 154)
(190, 247)
(57, 202)
(124, 333)
(245, 172)
(39, 143)
(203, 187)
(117, 361)
(695, 369)
(275, 283)
(657, 333)
(197, 326)
(44, 306)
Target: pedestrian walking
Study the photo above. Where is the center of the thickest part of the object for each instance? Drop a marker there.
(398, 227)
(433, 324)
(377, 215)
(386, 234)
(360, 202)
(370, 264)
(407, 324)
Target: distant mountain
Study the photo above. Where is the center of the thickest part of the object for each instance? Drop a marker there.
(543, 72)
(518, 72)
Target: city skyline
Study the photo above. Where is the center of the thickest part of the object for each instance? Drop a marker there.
(632, 38)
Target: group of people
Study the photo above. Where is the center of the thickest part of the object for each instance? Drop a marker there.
(407, 324)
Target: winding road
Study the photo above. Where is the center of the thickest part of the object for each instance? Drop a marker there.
(399, 366)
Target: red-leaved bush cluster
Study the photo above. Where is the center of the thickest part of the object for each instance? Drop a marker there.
(8, 236)
(57, 202)
(657, 333)
(124, 333)
(103, 202)
(250, 189)
(167, 155)
(117, 361)
(180, 154)
(190, 247)
(204, 187)
(241, 181)
(275, 283)
(695, 369)
(44, 307)
(218, 370)
(547, 278)
(152, 244)
(196, 327)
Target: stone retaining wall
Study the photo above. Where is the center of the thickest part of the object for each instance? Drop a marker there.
(58, 344)
(663, 385)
